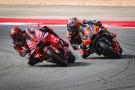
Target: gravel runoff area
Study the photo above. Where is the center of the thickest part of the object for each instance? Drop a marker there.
(70, 2)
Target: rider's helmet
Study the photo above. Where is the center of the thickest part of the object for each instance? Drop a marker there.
(98, 23)
(44, 28)
(16, 34)
(73, 24)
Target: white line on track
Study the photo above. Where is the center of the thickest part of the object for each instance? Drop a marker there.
(64, 25)
(32, 24)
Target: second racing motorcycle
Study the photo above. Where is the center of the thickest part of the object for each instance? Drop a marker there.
(103, 43)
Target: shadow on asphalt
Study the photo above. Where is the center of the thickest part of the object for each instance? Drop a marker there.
(128, 57)
(70, 65)
(80, 64)
(47, 65)
(106, 58)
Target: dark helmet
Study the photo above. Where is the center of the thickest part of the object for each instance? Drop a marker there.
(44, 28)
(16, 34)
(73, 24)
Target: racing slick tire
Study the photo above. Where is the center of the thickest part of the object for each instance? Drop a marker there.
(56, 58)
(108, 50)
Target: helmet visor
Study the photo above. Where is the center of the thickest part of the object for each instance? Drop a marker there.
(72, 29)
(17, 37)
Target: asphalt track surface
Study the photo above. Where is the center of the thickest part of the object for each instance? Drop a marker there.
(93, 73)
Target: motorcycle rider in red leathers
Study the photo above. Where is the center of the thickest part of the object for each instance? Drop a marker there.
(24, 39)
(75, 29)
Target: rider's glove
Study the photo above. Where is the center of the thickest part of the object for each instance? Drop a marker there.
(113, 34)
(40, 44)
(60, 40)
(63, 42)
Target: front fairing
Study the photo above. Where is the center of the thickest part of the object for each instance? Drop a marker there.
(86, 36)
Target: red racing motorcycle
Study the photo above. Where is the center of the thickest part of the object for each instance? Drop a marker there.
(55, 53)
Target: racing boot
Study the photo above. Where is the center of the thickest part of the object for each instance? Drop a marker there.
(66, 44)
(33, 61)
(84, 54)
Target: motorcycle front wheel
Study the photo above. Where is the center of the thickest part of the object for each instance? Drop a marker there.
(56, 58)
(108, 50)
